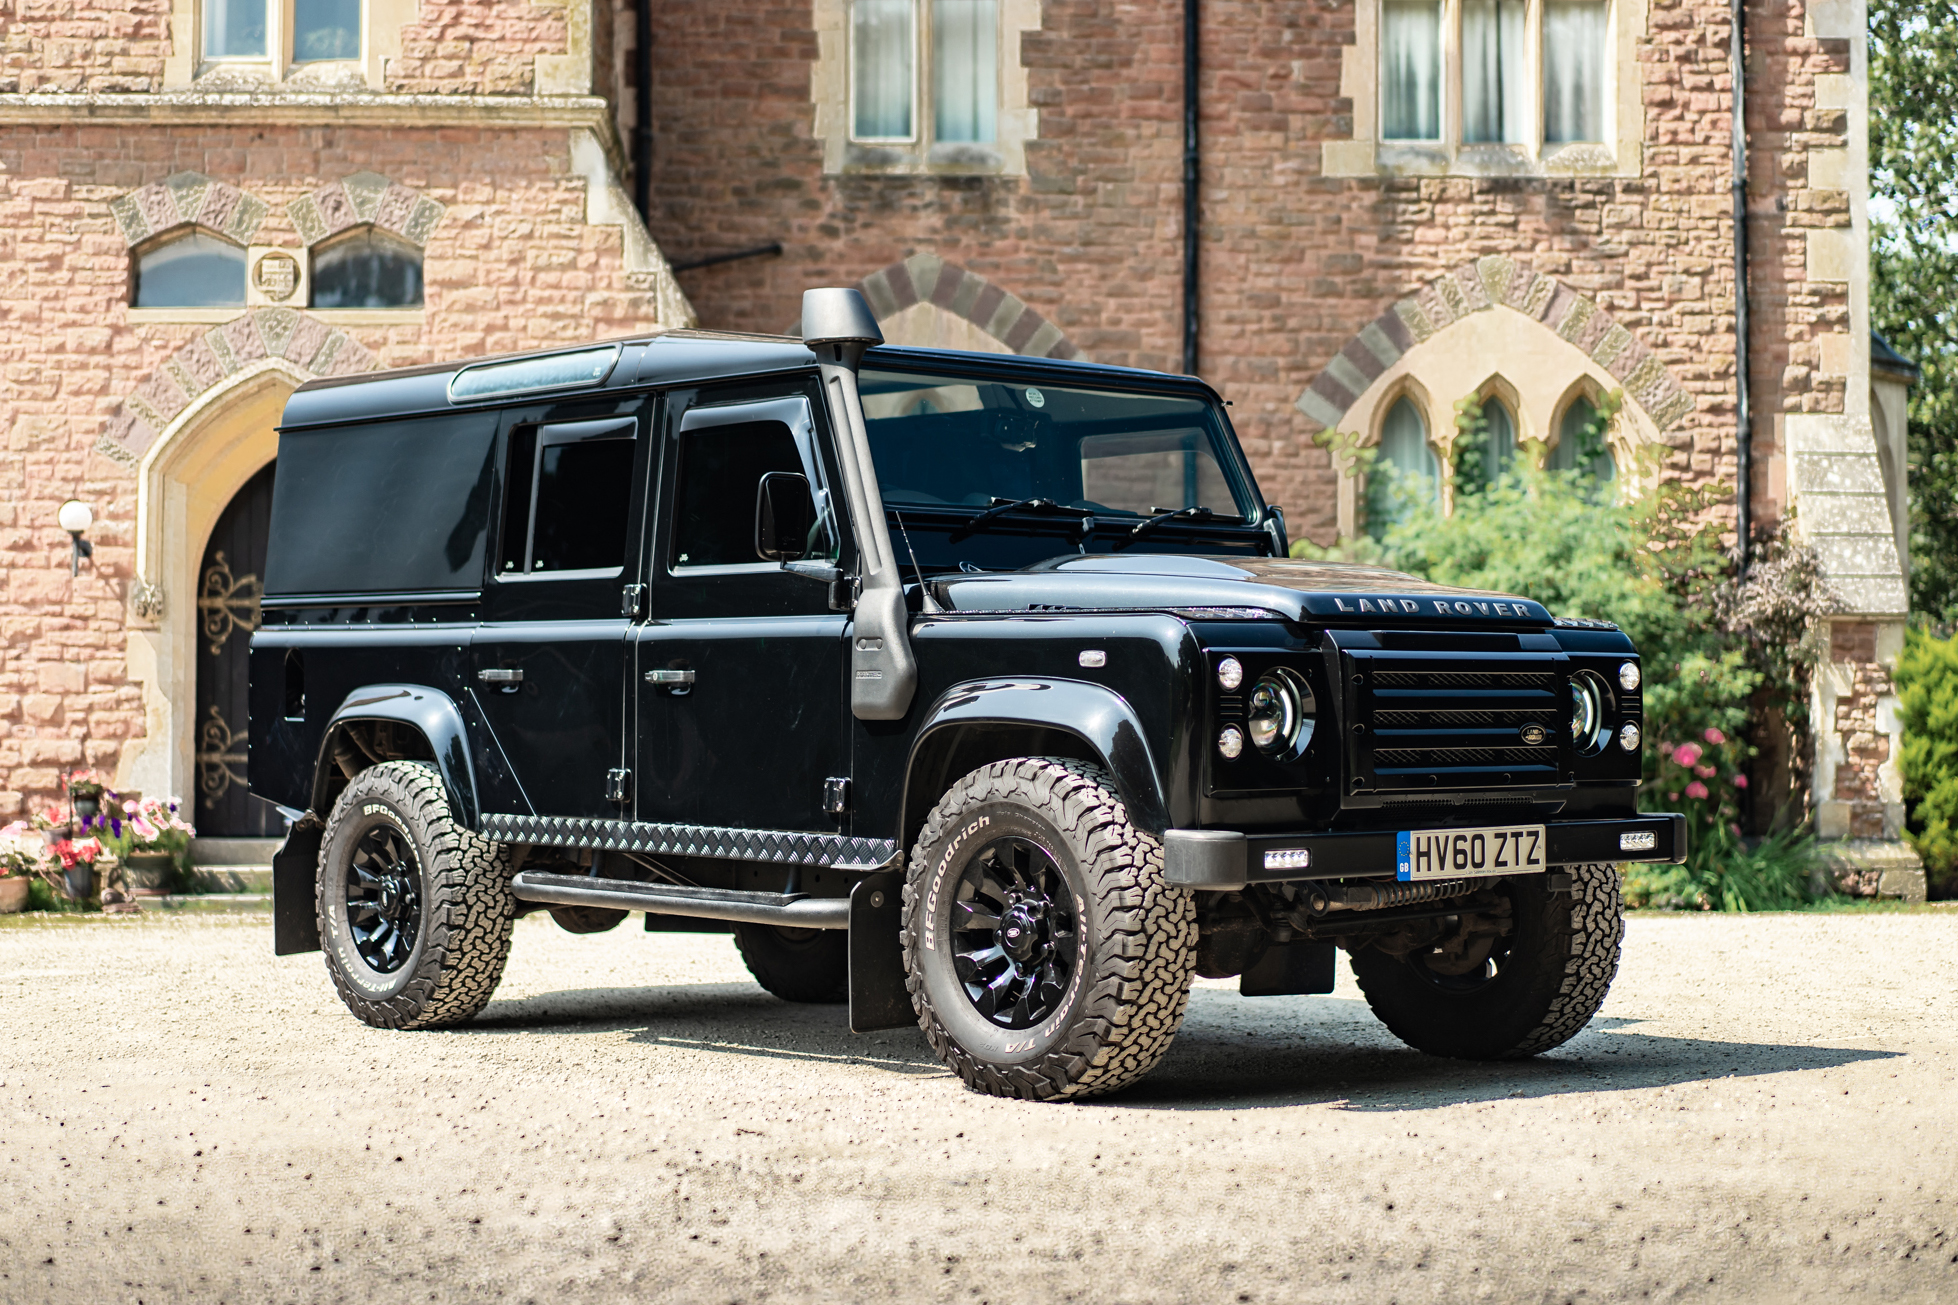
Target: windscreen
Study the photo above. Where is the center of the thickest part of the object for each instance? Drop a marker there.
(969, 442)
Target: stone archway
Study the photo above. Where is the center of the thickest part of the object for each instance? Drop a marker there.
(1000, 314)
(194, 433)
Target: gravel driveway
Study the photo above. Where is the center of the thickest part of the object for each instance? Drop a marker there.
(1765, 1110)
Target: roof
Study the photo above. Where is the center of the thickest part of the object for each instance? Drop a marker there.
(662, 358)
(1885, 359)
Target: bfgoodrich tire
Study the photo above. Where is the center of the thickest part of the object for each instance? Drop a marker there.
(808, 965)
(1047, 957)
(414, 910)
(1549, 977)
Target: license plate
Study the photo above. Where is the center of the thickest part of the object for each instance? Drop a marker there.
(1468, 853)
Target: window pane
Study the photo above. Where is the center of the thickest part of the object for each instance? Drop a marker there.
(720, 478)
(1145, 473)
(964, 62)
(325, 29)
(234, 29)
(1410, 70)
(1416, 472)
(193, 271)
(367, 270)
(584, 491)
(1493, 83)
(1578, 445)
(1502, 436)
(883, 50)
(1573, 71)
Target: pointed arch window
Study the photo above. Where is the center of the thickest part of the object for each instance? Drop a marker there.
(192, 270)
(367, 268)
(1580, 443)
(1415, 475)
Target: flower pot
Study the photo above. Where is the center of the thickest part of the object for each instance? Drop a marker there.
(80, 880)
(13, 894)
(149, 874)
(86, 804)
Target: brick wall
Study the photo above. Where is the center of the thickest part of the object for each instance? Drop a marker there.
(83, 45)
(475, 47)
(511, 266)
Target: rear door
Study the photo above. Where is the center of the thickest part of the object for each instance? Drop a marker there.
(739, 672)
(548, 663)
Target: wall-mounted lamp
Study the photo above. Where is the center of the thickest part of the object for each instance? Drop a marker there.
(76, 518)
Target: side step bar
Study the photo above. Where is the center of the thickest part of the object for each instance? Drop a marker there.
(792, 910)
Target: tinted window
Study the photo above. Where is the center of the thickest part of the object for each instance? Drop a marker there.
(720, 477)
(368, 269)
(398, 506)
(192, 271)
(567, 496)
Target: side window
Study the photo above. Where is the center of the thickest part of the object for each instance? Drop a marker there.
(568, 494)
(720, 478)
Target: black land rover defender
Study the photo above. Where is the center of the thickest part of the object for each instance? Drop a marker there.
(978, 691)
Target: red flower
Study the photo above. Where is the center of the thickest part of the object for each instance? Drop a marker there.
(1715, 736)
(1696, 789)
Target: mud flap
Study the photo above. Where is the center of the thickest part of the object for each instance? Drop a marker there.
(295, 874)
(1295, 969)
(878, 997)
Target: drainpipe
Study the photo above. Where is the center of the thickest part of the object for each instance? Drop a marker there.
(1743, 418)
(642, 111)
(1192, 157)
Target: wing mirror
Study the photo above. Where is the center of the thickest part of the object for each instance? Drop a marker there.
(785, 516)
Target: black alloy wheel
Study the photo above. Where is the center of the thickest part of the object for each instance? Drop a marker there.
(1014, 933)
(384, 900)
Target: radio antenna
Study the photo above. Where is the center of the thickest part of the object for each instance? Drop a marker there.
(930, 604)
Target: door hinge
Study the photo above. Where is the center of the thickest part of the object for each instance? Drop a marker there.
(632, 600)
(836, 795)
(618, 786)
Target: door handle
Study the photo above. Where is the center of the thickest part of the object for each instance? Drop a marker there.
(669, 678)
(500, 675)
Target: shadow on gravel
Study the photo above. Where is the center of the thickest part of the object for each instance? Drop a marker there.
(1239, 1054)
(1232, 1054)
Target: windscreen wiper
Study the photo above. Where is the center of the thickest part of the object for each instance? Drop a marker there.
(1162, 518)
(1002, 506)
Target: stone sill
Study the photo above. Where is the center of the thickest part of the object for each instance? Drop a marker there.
(1366, 158)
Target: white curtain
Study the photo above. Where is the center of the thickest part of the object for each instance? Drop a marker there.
(1410, 70)
(965, 69)
(1573, 71)
(234, 29)
(883, 61)
(1493, 80)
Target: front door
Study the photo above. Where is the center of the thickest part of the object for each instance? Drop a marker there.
(547, 666)
(739, 672)
(229, 585)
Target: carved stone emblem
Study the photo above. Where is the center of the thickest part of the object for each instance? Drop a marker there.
(276, 276)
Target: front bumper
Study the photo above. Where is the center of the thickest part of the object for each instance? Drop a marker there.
(1225, 860)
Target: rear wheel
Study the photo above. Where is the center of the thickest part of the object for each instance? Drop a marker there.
(1046, 955)
(1534, 989)
(414, 910)
(808, 965)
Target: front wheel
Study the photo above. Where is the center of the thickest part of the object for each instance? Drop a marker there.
(1046, 955)
(1535, 989)
(414, 910)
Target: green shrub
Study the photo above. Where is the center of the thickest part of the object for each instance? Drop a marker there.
(1927, 689)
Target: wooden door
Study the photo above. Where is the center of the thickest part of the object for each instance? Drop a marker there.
(230, 583)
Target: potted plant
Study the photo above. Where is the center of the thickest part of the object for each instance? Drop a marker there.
(85, 793)
(78, 857)
(152, 839)
(23, 855)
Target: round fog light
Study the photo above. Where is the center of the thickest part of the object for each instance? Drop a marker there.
(1628, 676)
(1628, 738)
(1230, 674)
(1230, 742)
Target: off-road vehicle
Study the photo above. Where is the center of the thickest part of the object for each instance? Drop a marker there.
(977, 691)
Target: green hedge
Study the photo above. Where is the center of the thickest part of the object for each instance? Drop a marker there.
(1927, 688)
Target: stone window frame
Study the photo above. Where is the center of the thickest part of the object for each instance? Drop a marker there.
(183, 201)
(381, 22)
(1621, 154)
(829, 89)
(178, 313)
(362, 199)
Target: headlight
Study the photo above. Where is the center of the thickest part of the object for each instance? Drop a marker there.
(1230, 742)
(1587, 697)
(1628, 676)
(1230, 674)
(1628, 737)
(1281, 716)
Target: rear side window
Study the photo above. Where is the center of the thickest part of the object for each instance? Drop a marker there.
(569, 493)
(720, 476)
(393, 507)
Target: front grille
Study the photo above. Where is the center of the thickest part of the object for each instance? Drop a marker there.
(1452, 722)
